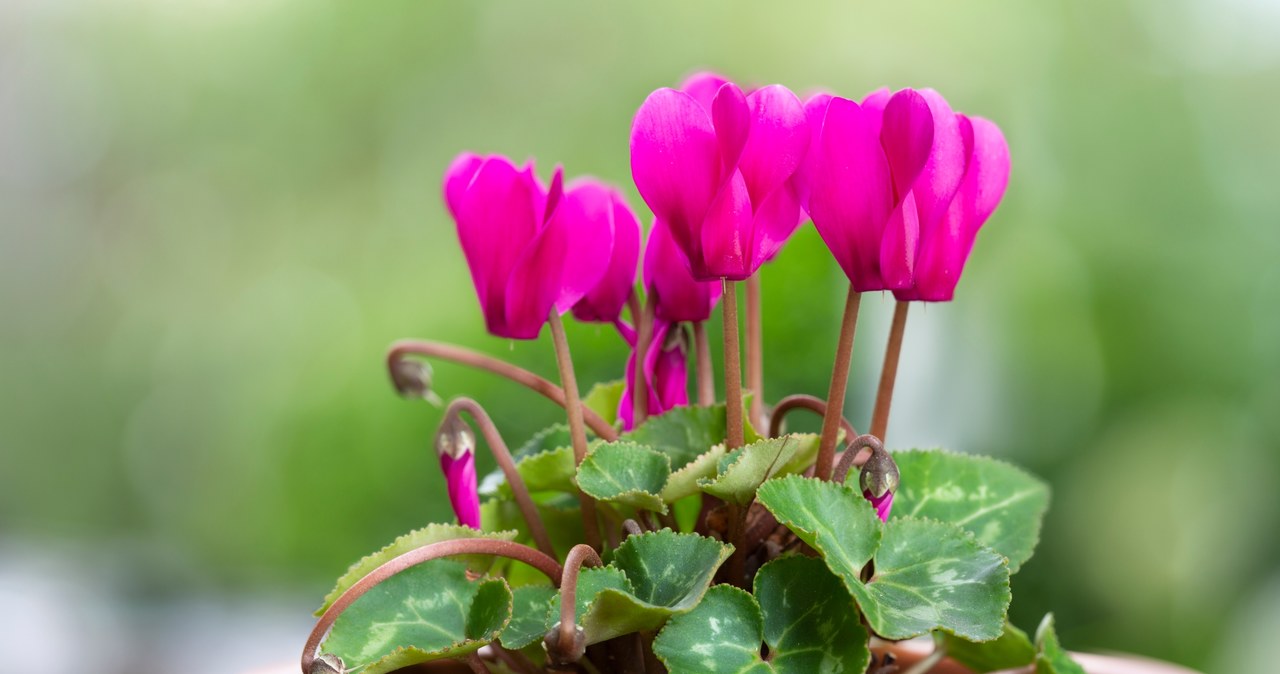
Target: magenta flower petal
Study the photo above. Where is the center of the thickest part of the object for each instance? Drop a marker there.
(460, 482)
(497, 206)
(899, 245)
(882, 505)
(702, 87)
(585, 212)
(457, 178)
(604, 303)
(665, 373)
(850, 192)
(815, 110)
(731, 117)
(906, 134)
(726, 235)
(943, 253)
(778, 142)
(874, 104)
(676, 295)
(534, 284)
(675, 161)
(775, 221)
(941, 175)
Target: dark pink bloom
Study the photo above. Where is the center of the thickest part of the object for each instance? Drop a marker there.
(717, 170)
(530, 248)
(456, 446)
(604, 302)
(878, 174)
(882, 504)
(945, 242)
(665, 371)
(675, 294)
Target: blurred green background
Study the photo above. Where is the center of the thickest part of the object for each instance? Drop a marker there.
(216, 215)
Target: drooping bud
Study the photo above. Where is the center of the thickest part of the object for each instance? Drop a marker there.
(328, 663)
(455, 438)
(456, 445)
(879, 480)
(412, 379)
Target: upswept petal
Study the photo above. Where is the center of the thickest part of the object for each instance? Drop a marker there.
(496, 220)
(665, 373)
(702, 86)
(675, 161)
(676, 295)
(606, 299)
(874, 103)
(775, 221)
(731, 116)
(941, 175)
(850, 195)
(726, 235)
(815, 109)
(586, 213)
(777, 143)
(535, 282)
(458, 177)
(906, 134)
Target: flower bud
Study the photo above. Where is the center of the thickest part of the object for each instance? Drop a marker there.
(456, 446)
(412, 379)
(328, 663)
(455, 438)
(879, 480)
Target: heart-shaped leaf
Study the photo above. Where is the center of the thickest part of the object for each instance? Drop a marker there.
(625, 473)
(666, 573)
(745, 469)
(1001, 504)
(800, 610)
(530, 619)
(928, 575)
(551, 444)
(561, 517)
(684, 433)
(1012, 650)
(684, 482)
(1051, 658)
(432, 533)
(604, 398)
(427, 612)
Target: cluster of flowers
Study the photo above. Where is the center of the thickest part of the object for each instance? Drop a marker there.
(897, 186)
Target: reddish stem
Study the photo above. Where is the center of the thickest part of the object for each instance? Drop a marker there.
(477, 665)
(802, 401)
(849, 459)
(755, 350)
(839, 382)
(732, 369)
(502, 368)
(503, 456)
(889, 373)
(568, 646)
(412, 558)
(578, 432)
(705, 375)
(640, 387)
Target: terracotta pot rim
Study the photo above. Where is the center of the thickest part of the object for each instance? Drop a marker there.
(910, 652)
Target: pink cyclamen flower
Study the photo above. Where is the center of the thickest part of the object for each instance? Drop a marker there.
(718, 171)
(530, 249)
(665, 371)
(456, 445)
(878, 175)
(675, 294)
(604, 302)
(946, 241)
(883, 504)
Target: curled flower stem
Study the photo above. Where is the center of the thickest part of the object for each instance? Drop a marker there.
(569, 646)
(705, 375)
(755, 350)
(849, 459)
(732, 369)
(503, 456)
(839, 382)
(889, 373)
(640, 389)
(804, 402)
(631, 527)
(414, 557)
(519, 375)
(577, 431)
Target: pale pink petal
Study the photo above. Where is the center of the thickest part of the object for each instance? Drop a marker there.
(731, 116)
(496, 222)
(586, 214)
(907, 138)
(777, 144)
(851, 195)
(675, 161)
(726, 236)
(676, 295)
(702, 87)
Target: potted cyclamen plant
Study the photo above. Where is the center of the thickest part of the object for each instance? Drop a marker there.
(649, 534)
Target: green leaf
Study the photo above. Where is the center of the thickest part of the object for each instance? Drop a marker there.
(684, 482)
(684, 433)
(604, 398)
(928, 575)
(563, 524)
(1050, 656)
(1012, 650)
(809, 623)
(432, 533)
(626, 473)
(1001, 504)
(720, 636)
(546, 472)
(530, 618)
(747, 468)
(800, 610)
(427, 612)
(666, 573)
